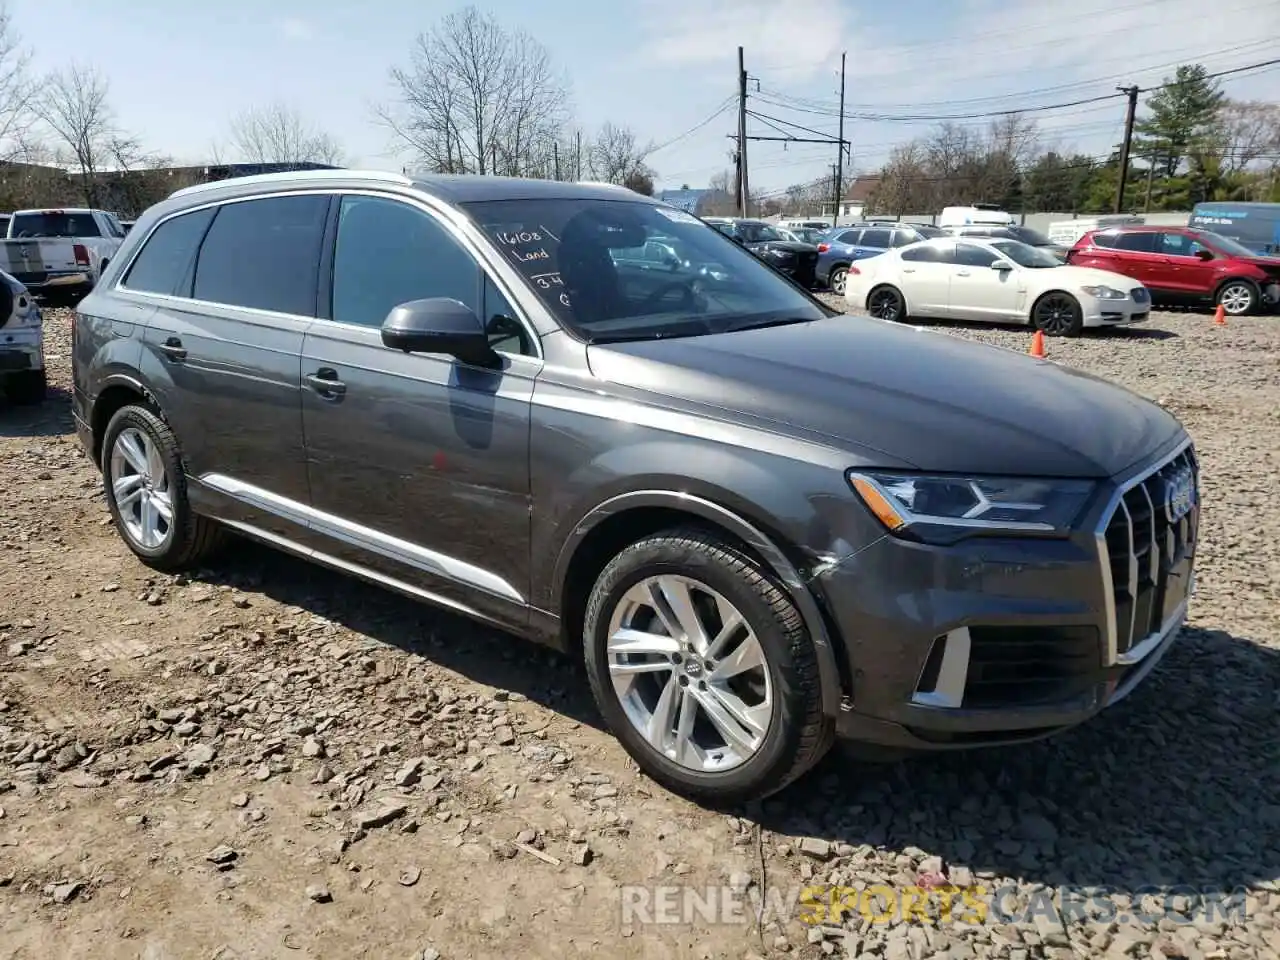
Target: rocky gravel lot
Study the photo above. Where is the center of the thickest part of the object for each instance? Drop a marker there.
(268, 760)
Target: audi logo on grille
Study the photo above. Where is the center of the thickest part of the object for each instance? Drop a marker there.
(1179, 495)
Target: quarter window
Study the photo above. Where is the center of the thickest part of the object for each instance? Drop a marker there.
(163, 264)
(264, 254)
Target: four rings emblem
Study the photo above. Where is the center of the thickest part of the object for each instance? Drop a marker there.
(1179, 495)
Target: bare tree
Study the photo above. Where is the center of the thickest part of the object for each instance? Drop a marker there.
(73, 105)
(476, 98)
(1247, 131)
(615, 156)
(16, 93)
(278, 134)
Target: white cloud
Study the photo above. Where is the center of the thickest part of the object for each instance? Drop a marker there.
(293, 28)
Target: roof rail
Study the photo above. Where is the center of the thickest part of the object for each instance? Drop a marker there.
(299, 175)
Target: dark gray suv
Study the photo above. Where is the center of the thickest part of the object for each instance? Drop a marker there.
(763, 524)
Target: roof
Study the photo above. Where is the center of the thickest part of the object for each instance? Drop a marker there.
(860, 190)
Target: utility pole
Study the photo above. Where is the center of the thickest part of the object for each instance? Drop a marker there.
(555, 156)
(744, 191)
(835, 210)
(1132, 94)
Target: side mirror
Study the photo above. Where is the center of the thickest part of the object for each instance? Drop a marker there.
(439, 325)
(1002, 265)
(1204, 255)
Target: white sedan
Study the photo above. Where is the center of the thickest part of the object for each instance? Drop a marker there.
(997, 281)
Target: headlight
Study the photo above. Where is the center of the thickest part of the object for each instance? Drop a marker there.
(1105, 293)
(945, 509)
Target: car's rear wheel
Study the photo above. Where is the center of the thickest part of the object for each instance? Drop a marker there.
(887, 303)
(146, 490)
(1238, 297)
(1058, 314)
(26, 387)
(837, 280)
(703, 669)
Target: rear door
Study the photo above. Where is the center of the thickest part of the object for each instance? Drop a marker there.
(926, 277)
(1137, 254)
(223, 356)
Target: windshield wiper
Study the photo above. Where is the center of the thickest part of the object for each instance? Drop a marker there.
(760, 324)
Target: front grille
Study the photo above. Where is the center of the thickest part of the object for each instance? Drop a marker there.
(1147, 550)
(1139, 294)
(1025, 666)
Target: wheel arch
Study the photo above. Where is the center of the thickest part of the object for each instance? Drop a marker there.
(117, 392)
(1257, 289)
(627, 517)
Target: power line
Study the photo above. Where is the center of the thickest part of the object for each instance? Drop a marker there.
(724, 105)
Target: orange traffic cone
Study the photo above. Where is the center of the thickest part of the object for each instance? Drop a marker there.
(1220, 317)
(1037, 346)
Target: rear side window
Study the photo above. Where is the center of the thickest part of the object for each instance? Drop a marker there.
(1104, 240)
(931, 253)
(903, 237)
(162, 265)
(1137, 242)
(264, 254)
(876, 239)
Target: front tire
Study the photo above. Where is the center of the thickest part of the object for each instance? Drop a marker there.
(26, 387)
(703, 669)
(1058, 314)
(146, 489)
(1238, 298)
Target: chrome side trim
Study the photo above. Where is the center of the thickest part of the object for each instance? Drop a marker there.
(1104, 559)
(365, 538)
(355, 569)
(952, 675)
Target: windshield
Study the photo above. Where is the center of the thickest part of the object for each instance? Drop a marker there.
(928, 232)
(586, 260)
(1033, 237)
(1025, 255)
(54, 224)
(1232, 248)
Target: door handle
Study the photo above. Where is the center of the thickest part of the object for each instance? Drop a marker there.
(962, 273)
(325, 382)
(908, 269)
(173, 349)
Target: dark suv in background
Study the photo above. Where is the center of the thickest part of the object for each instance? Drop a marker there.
(759, 522)
(795, 258)
(1032, 238)
(844, 245)
(1180, 265)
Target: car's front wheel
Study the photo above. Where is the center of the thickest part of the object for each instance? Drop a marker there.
(1058, 314)
(1239, 298)
(146, 490)
(703, 669)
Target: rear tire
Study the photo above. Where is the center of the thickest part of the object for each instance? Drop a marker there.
(26, 387)
(887, 303)
(837, 280)
(672, 709)
(145, 484)
(1238, 298)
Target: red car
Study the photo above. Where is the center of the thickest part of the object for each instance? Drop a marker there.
(1181, 265)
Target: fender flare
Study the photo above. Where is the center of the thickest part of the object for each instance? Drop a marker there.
(782, 568)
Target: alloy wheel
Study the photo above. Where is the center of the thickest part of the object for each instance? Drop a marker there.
(1056, 314)
(1236, 299)
(690, 673)
(885, 305)
(140, 487)
(838, 278)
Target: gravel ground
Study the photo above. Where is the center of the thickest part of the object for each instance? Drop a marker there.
(267, 760)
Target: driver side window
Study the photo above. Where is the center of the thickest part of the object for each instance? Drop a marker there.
(389, 253)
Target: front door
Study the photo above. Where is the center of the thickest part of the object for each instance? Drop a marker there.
(1188, 274)
(223, 348)
(980, 293)
(419, 464)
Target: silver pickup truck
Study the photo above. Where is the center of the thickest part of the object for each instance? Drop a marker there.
(59, 254)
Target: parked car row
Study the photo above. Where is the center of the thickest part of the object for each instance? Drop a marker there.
(592, 420)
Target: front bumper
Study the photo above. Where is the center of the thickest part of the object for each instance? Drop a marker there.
(994, 641)
(1113, 313)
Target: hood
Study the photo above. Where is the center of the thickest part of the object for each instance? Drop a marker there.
(1090, 276)
(931, 400)
(1270, 264)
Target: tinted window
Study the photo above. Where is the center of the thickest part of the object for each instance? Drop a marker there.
(903, 237)
(932, 253)
(1137, 242)
(1179, 245)
(971, 255)
(876, 239)
(264, 254)
(55, 224)
(163, 264)
(1104, 239)
(389, 253)
(850, 237)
